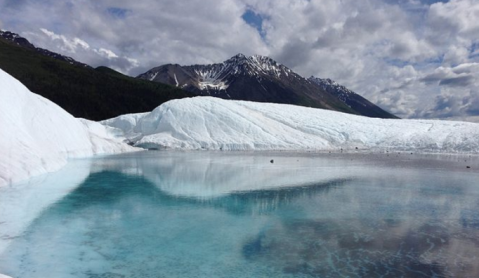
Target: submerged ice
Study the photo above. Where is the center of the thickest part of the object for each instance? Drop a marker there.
(179, 214)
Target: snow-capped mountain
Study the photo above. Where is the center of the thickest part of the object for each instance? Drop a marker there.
(215, 78)
(254, 78)
(21, 41)
(350, 98)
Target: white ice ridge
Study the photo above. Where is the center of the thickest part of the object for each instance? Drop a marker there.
(4, 276)
(216, 124)
(37, 136)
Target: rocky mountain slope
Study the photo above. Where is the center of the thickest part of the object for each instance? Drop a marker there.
(83, 91)
(356, 102)
(255, 78)
(22, 42)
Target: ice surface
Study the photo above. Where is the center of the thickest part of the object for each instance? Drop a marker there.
(216, 124)
(125, 123)
(37, 136)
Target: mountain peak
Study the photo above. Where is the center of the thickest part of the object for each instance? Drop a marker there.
(239, 55)
(256, 58)
(261, 57)
(16, 38)
(237, 59)
(255, 65)
(260, 78)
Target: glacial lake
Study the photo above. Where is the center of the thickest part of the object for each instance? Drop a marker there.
(233, 214)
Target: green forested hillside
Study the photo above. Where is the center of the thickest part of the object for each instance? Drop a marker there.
(94, 94)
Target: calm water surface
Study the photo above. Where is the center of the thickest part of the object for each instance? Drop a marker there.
(216, 214)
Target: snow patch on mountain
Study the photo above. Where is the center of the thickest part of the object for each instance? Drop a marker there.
(254, 65)
(260, 78)
(212, 84)
(37, 136)
(153, 76)
(269, 66)
(331, 86)
(215, 76)
(216, 124)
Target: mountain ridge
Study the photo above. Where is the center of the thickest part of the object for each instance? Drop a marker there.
(254, 78)
(23, 42)
(352, 99)
(85, 92)
(258, 78)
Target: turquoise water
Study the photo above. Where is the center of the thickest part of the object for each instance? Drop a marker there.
(215, 214)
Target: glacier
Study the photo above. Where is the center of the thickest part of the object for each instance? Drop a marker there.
(215, 124)
(37, 136)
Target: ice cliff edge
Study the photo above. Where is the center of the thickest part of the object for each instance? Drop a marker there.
(37, 136)
(217, 124)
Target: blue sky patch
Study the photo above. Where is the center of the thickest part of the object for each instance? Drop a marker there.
(118, 12)
(396, 62)
(255, 20)
(474, 48)
(405, 2)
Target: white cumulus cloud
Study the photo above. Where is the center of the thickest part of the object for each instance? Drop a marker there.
(412, 57)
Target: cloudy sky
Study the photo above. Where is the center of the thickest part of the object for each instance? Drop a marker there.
(415, 58)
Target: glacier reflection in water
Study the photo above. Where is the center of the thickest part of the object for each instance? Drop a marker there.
(214, 214)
